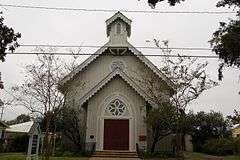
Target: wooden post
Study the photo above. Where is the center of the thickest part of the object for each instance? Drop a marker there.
(33, 147)
(38, 141)
(29, 147)
(42, 138)
(54, 143)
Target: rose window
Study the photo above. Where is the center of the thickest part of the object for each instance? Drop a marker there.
(117, 107)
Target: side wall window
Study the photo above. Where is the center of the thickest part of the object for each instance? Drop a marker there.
(118, 28)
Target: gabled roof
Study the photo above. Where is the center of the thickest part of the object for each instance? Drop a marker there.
(83, 65)
(134, 51)
(26, 127)
(116, 16)
(151, 66)
(108, 78)
(21, 127)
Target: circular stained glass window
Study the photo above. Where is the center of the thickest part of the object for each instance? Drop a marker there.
(117, 107)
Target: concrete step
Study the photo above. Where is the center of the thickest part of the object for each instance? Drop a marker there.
(115, 154)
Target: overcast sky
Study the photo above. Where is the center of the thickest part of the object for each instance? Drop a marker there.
(89, 28)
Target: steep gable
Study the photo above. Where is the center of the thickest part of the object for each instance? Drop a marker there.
(108, 78)
(100, 52)
(118, 53)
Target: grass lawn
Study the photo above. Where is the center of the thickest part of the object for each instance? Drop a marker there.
(200, 156)
(188, 155)
(197, 156)
(20, 156)
(12, 156)
(232, 158)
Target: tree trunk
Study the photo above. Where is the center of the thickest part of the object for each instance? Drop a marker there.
(46, 142)
(153, 146)
(179, 152)
(183, 142)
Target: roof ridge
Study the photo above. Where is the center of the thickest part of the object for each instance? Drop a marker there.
(118, 13)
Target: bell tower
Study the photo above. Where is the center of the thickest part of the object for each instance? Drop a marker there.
(118, 29)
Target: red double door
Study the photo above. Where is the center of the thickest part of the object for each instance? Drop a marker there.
(116, 134)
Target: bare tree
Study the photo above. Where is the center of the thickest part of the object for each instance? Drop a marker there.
(189, 81)
(39, 92)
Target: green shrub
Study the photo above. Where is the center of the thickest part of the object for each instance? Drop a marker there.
(236, 146)
(18, 143)
(64, 149)
(220, 146)
(1, 146)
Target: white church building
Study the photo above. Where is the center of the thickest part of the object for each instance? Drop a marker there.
(113, 103)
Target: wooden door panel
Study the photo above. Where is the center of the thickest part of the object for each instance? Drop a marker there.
(116, 134)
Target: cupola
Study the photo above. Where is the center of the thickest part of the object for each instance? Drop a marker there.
(118, 29)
